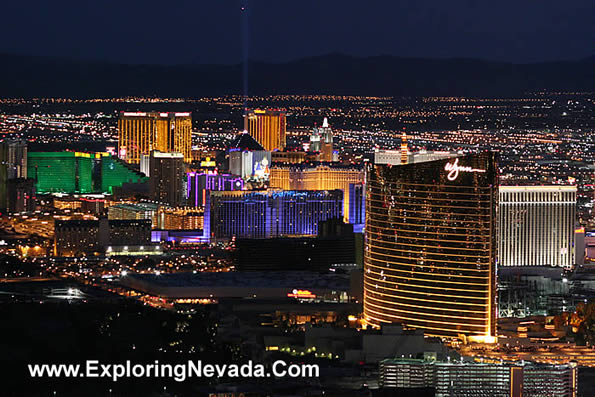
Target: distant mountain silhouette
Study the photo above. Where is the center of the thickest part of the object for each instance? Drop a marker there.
(30, 76)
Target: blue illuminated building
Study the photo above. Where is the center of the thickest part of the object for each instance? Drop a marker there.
(357, 206)
(271, 213)
(200, 184)
(187, 236)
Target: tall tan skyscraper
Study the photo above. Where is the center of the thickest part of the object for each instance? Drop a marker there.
(141, 132)
(537, 225)
(267, 127)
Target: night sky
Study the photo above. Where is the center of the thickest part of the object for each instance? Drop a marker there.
(203, 31)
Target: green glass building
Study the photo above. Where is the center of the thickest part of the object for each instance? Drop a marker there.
(78, 172)
(115, 172)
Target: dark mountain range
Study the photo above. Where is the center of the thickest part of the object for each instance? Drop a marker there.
(28, 76)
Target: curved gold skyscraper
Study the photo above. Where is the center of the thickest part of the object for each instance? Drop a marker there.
(430, 254)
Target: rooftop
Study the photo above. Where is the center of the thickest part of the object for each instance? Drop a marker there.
(244, 141)
(535, 188)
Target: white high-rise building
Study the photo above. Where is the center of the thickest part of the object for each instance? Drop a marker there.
(536, 225)
(321, 141)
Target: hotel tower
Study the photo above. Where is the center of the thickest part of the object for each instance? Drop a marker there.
(141, 132)
(431, 244)
(267, 127)
(537, 225)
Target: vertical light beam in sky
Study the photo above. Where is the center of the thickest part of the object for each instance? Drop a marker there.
(245, 51)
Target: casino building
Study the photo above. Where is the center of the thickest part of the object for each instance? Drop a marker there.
(267, 127)
(141, 132)
(79, 172)
(431, 244)
(537, 225)
(271, 213)
(321, 176)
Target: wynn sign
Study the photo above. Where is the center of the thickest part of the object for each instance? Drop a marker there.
(454, 168)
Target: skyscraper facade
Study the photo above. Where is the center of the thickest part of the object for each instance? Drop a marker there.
(21, 195)
(79, 172)
(166, 180)
(317, 177)
(110, 172)
(267, 127)
(357, 203)
(272, 213)
(61, 172)
(13, 165)
(537, 225)
(13, 158)
(431, 245)
(321, 141)
(141, 132)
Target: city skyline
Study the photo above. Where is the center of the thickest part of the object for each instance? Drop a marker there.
(362, 236)
(268, 199)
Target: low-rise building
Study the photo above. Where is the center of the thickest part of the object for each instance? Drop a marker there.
(92, 237)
